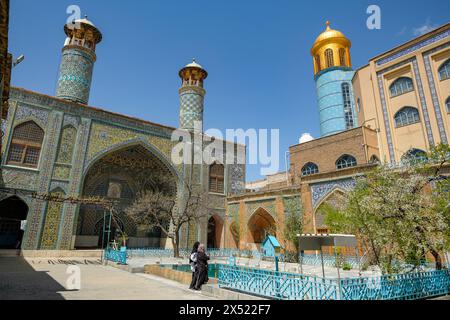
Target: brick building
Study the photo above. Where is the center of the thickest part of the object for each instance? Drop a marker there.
(398, 108)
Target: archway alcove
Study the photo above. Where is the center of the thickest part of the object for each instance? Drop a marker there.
(332, 202)
(260, 225)
(215, 225)
(13, 214)
(121, 175)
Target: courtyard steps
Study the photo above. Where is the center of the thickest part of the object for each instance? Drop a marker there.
(9, 253)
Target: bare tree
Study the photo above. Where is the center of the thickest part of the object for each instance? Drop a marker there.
(160, 208)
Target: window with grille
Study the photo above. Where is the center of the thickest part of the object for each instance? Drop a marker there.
(318, 66)
(406, 116)
(342, 57)
(348, 112)
(414, 156)
(329, 58)
(444, 70)
(401, 86)
(309, 169)
(447, 104)
(346, 161)
(26, 145)
(216, 178)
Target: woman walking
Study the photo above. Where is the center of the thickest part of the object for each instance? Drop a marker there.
(193, 263)
(202, 267)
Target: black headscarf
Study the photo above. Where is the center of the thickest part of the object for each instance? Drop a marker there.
(195, 247)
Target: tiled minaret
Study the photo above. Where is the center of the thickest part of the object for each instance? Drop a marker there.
(78, 58)
(333, 76)
(192, 95)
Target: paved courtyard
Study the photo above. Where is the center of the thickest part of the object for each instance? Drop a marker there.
(42, 279)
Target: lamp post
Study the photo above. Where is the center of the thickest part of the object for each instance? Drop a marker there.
(17, 61)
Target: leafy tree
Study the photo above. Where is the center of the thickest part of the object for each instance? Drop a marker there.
(400, 214)
(293, 223)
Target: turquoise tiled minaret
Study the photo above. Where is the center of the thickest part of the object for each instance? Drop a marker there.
(333, 77)
(336, 101)
(192, 96)
(77, 63)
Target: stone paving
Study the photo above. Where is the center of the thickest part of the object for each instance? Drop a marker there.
(45, 279)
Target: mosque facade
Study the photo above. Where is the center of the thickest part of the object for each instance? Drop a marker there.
(60, 148)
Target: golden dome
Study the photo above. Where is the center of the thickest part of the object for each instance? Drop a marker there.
(330, 36)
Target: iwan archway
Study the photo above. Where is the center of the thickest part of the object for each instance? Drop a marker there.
(121, 175)
(13, 215)
(260, 225)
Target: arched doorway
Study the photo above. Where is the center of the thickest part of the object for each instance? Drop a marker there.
(215, 225)
(13, 216)
(260, 225)
(121, 176)
(330, 204)
(108, 228)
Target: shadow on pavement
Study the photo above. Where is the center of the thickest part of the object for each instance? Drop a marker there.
(20, 281)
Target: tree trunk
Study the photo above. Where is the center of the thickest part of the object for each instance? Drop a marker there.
(176, 251)
(437, 259)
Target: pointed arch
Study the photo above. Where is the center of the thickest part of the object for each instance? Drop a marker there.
(217, 178)
(343, 57)
(131, 143)
(121, 172)
(329, 58)
(330, 202)
(215, 227)
(13, 211)
(260, 225)
(26, 144)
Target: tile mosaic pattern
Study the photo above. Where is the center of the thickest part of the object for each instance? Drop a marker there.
(191, 108)
(434, 95)
(320, 191)
(51, 225)
(413, 48)
(75, 75)
(268, 205)
(423, 103)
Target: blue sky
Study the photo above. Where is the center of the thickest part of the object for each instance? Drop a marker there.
(256, 53)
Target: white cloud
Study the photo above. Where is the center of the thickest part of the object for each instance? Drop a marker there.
(427, 27)
(402, 32)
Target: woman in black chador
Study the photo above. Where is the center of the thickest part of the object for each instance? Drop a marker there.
(202, 267)
(193, 263)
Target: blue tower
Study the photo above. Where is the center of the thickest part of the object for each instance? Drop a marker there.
(77, 63)
(333, 76)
